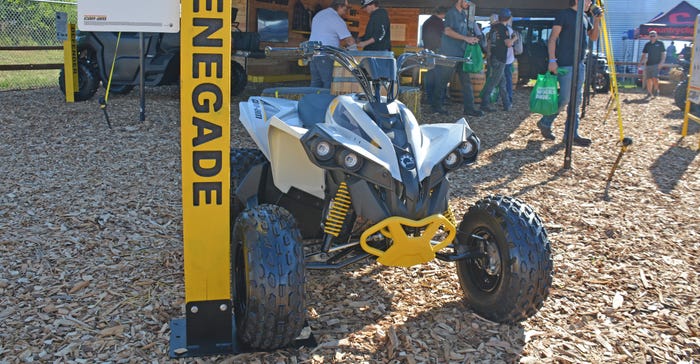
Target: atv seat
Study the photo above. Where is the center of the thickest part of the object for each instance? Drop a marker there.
(312, 108)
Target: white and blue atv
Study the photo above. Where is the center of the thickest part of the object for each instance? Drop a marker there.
(338, 179)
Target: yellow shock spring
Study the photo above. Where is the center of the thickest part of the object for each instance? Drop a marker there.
(338, 210)
(450, 216)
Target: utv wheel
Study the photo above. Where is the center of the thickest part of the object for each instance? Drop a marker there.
(267, 278)
(88, 81)
(511, 281)
(601, 82)
(239, 78)
(119, 89)
(242, 160)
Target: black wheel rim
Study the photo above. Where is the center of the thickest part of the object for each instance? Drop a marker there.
(486, 271)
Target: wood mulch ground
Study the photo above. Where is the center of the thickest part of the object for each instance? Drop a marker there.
(91, 243)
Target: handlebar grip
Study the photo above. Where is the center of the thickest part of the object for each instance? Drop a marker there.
(283, 51)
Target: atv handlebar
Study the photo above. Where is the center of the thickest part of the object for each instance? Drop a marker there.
(424, 58)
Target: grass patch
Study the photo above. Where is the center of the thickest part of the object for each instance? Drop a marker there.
(15, 80)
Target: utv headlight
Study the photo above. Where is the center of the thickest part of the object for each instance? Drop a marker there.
(323, 150)
(452, 160)
(351, 161)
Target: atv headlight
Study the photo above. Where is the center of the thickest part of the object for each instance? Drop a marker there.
(452, 160)
(466, 148)
(351, 161)
(323, 150)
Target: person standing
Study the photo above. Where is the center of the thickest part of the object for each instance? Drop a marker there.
(431, 35)
(329, 28)
(671, 53)
(377, 35)
(499, 43)
(516, 49)
(653, 55)
(459, 31)
(561, 57)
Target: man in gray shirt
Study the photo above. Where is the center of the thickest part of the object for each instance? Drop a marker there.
(329, 28)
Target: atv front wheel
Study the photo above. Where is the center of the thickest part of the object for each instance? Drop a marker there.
(267, 278)
(511, 279)
(88, 81)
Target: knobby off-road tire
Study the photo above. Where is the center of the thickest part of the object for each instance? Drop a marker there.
(512, 281)
(88, 81)
(267, 278)
(242, 160)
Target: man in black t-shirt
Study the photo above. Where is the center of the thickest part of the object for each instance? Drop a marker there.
(499, 42)
(377, 33)
(653, 55)
(561, 62)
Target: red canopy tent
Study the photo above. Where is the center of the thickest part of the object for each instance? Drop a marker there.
(676, 23)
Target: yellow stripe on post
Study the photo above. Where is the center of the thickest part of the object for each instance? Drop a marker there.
(205, 144)
(70, 63)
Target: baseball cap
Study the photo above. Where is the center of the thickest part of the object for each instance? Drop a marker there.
(653, 32)
(504, 14)
(366, 2)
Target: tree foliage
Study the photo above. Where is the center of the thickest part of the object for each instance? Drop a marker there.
(24, 22)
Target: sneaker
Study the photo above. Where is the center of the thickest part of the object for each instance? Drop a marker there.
(582, 142)
(657, 93)
(487, 108)
(474, 113)
(507, 108)
(546, 132)
(648, 96)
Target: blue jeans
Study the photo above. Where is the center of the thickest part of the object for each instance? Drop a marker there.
(429, 80)
(321, 68)
(508, 74)
(495, 78)
(565, 95)
(444, 73)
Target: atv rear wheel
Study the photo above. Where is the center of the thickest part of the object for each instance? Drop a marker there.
(512, 279)
(239, 78)
(242, 160)
(267, 278)
(88, 81)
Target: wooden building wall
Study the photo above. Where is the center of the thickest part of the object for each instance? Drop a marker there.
(404, 23)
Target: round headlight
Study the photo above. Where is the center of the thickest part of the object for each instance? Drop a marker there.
(323, 150)
(351, 161)
(452, 160)
(466, 148)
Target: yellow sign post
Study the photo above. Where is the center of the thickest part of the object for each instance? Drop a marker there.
(70, 63)
(205, 143)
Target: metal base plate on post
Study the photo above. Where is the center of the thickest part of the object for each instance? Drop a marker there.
(210, 329)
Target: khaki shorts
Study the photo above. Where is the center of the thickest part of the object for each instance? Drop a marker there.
(651, 71)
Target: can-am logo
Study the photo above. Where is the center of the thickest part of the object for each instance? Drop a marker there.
(407, 161)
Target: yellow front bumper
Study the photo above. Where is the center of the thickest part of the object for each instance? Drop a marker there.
(406, 251)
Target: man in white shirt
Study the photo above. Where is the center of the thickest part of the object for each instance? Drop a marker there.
(329, 28)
